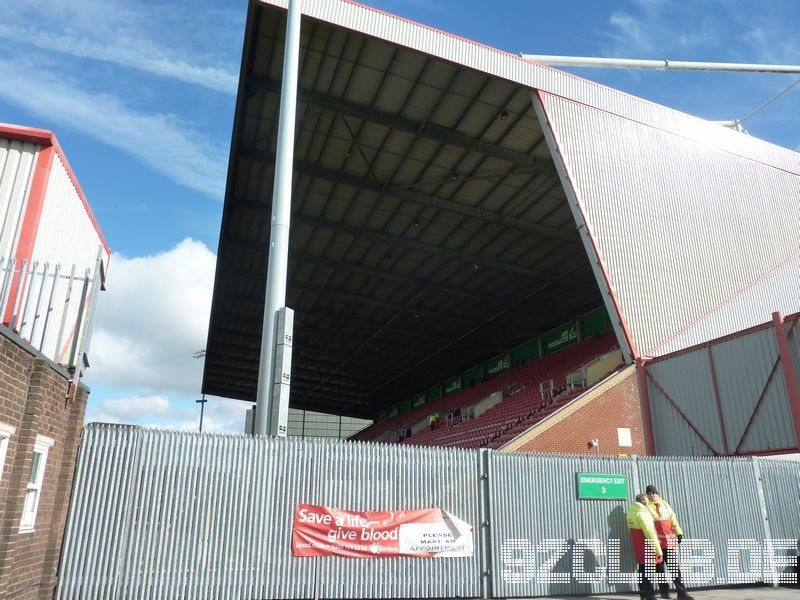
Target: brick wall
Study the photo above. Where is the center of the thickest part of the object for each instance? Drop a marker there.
(35, 399)
(613, 406)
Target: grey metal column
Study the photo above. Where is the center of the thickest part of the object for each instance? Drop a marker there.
(281, 211)
(484, 528)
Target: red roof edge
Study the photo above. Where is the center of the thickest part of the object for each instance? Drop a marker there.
(48, 138)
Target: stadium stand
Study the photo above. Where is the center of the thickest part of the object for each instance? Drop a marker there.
(529, 394)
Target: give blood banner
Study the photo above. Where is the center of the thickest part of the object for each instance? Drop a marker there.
(427, 533)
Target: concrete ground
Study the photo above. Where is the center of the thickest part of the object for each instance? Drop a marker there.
(754, 593)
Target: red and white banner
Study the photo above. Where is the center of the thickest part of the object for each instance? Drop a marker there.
(428, 533)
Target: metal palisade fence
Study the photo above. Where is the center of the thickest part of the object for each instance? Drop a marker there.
(164, 514)
(51, 306)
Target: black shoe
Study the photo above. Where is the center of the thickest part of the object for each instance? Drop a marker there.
(684, 596)
(665, 595)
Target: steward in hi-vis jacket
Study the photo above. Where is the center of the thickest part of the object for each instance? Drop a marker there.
(667, 527)
(641, 526)
(670, 535)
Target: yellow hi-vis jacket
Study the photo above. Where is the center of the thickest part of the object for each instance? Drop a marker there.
(666, 523)
(642, 527)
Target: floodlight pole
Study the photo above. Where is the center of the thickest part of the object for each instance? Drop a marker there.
(277, 268)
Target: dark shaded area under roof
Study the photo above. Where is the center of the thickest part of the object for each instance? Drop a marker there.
(430, 231)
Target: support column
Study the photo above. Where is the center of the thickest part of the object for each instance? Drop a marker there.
(644, 399)
(792, 391)
(278, 266)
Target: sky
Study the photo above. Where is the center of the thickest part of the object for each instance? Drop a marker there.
(141, 97)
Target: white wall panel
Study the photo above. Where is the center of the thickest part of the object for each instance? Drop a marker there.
(17, 165)
(66, 236)
(697, 241)
(513, 67)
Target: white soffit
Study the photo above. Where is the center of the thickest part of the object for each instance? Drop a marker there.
(512, 67)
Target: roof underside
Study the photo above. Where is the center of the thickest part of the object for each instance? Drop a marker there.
(429, 227)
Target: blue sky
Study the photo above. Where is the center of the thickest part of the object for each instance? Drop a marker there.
(141, 97)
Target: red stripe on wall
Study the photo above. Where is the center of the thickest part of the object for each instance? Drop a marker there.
(30, 224)
(48, 138)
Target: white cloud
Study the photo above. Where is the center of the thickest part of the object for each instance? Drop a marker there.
(150, 320)
(222, 415)
(160, 141)
(116, 33)
(128, 408)
(631, 35)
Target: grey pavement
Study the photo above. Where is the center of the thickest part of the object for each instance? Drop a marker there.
(753, 593)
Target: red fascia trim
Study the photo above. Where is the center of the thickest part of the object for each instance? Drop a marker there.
(45, 139)
(33, 210)
(26, 134)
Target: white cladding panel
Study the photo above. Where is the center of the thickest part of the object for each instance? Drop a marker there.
(17, 165)
(689, 232)
(66, 232)
(66, 236)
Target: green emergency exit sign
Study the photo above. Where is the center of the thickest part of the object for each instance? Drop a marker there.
(602, 486)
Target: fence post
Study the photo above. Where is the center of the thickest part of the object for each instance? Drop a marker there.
(762, 501)
(37, 310)
(58, 350)
(56, 274)
(487, 589)
(16, 297)
(635, 472)
(78, 330)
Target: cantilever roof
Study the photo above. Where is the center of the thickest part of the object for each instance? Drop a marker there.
(437, 193)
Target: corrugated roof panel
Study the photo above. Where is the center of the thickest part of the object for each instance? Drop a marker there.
(683, 229)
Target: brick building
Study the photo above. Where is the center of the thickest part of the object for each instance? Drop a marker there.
(610, 415)
(41, 417)
(53, 260)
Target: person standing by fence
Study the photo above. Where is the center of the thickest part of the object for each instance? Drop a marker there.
(670, 535)
(642, 531)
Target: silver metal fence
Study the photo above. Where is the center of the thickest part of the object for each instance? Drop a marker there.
(50, 306)
(162, 514)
